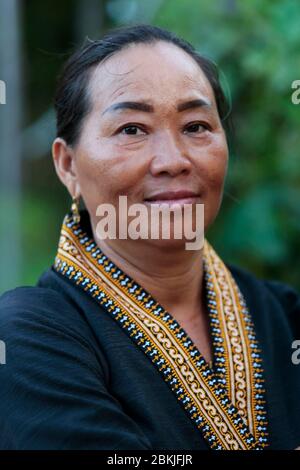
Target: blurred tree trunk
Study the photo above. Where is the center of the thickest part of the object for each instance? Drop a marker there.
(10, 145)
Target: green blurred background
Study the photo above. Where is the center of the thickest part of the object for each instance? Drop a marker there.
(257, 47)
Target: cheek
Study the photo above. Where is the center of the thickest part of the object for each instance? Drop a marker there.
(93, 176)
(212, 170)
(106, 171)
(212, 166)
(216, 173)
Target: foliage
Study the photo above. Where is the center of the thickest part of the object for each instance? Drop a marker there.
(256, 44)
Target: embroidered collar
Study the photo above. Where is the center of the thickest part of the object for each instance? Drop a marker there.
(226, 402)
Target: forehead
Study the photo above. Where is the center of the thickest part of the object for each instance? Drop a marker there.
(159, 72)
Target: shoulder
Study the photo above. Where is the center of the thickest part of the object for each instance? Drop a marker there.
(54, 380)
(270, 295)
(41, 326)
(284, 293)
(42, 312)
(30, 302)
(30, 298)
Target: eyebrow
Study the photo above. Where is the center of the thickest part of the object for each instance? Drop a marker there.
(148, 108)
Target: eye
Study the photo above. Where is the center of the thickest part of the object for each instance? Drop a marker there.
(131, 130)
(196, 128)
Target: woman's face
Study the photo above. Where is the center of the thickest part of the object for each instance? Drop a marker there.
(153, 127)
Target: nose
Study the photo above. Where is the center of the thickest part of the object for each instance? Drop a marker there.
(168, 156)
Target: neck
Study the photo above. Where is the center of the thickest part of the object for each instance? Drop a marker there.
(174, 277)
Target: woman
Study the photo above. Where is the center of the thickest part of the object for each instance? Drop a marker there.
(140, 343)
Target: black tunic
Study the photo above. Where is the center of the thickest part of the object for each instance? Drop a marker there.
(74, 380)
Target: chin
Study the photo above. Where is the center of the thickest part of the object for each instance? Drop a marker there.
(169, 245)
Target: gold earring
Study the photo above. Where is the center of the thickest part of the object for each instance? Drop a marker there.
(75, 210)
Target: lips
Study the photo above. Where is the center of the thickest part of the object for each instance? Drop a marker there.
(172, 196)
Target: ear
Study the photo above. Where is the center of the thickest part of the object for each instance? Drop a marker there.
(65, 166)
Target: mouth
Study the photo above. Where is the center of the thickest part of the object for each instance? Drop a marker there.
(171, 198)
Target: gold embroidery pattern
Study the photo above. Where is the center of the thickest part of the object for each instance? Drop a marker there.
(200, 391)
(245, 385)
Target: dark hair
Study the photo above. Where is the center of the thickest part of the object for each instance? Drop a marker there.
(71, 99)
